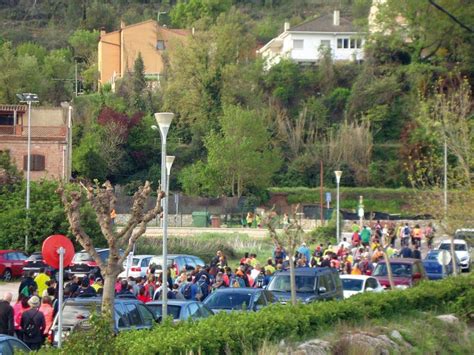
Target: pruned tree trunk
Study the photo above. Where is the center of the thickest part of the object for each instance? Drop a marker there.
(103, 200)
(385, 245)
(292, 278)
(453, 256)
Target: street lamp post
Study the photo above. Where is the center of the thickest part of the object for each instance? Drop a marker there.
(164, 120)
(28, 98)
(338, 174)
(68, 106)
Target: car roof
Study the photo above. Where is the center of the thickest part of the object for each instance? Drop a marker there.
(171, 302)
(143, 256)
(10, 251)
(176, 255)
(456, 241)
(400, 261)
(308, 271)
(95, 299)
(356, 277)
(237, 290)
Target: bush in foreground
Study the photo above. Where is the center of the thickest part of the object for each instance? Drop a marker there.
(240, 332)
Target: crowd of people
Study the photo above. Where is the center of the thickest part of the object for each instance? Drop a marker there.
(31, 317)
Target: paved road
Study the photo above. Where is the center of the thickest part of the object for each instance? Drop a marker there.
(10, 287)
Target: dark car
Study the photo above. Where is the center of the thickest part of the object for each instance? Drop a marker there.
(11, 345)
(84, 264)
(434, 270)
(312, 284)
(238, 299)
(406, 272)
(11, 264)
(130, 313)
(179, 262)
(181, 309)
(35, 262)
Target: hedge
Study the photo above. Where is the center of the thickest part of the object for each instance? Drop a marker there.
(242, 332)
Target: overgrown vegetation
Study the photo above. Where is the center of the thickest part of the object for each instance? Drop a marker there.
(242, 332)
(362, 118)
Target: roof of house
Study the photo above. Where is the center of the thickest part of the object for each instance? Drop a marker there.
(325, 23)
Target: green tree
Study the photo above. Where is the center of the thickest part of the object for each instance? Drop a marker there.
(185, 13)
(241, 152)
(84, 44)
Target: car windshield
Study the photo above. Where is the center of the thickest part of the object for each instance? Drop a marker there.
(281, 283)
(158, 262)
(82, 256)
(400, 270)
(172, 310)
(352, 285)
(229, 300)
(432, 256)
(457, 247)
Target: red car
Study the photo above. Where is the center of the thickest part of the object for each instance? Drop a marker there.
(405, 272)
(11, 264)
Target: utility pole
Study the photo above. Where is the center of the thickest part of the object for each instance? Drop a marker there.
(321, 193)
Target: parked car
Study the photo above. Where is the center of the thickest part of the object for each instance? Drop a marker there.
(130, 313)
(434, 270)
(11, 345)
(84, 264)
(181, 309)
(461, 249)
(35, 262)
(354, 284)
(406, 272)
(11, 264)
(312, 284)
(179, 262)
(138, 266)
(238, 299)
(466, 234)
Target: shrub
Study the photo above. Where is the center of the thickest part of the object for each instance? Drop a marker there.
(238, 332)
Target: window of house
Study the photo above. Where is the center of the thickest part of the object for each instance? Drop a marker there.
(160, 45)
(349, 43)
(298, 44)
(37, 162)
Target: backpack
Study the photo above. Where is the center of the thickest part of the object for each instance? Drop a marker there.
(187, 291)
(406, 231)
(31, 330)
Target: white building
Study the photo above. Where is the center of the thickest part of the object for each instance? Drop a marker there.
(303, 42)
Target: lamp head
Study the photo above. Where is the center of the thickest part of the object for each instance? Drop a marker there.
(338, 174)
(169, 162)
(164, 120)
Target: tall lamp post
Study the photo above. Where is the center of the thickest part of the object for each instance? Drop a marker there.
(338, 174)
(29, 98)
(164, 120)
(68, 106)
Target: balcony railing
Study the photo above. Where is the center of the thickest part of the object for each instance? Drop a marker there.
(36, 131)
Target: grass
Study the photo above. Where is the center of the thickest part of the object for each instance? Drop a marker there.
(206, 245)
(422, 333)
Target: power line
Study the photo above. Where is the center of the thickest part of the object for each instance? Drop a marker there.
(452, 17)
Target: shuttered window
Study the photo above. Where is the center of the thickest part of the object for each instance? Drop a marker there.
(37, 162)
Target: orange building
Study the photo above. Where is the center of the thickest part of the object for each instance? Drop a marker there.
(118, 50)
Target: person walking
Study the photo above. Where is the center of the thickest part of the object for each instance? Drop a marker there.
(48, 313)
(41, 281)
(33, 325)
(6, 315)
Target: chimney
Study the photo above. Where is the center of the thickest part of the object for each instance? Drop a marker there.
(286, 26)
(122, 24)
(102, 31)
(337, 16)
(193, 31)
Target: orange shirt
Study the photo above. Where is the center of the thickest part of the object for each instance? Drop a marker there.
(356, 272)
(47, 311)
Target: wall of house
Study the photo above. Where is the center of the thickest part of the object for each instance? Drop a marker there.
(311, 44)
(51, 149)
(109, 56)
(47, 116)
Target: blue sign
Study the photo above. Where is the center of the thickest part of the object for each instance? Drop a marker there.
(328, 197)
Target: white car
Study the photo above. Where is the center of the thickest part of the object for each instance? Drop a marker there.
(354, 284)
(138, 265)
(461, 249)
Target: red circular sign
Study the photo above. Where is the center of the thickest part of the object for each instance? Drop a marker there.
(50, 250)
